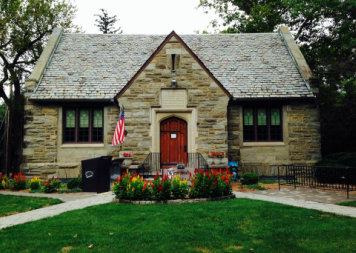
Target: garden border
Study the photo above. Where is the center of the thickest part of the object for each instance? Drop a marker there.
(171, 201)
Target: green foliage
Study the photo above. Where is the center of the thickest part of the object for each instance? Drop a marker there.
(250, 178)
(268, 181)
(161, 188)
(16, 204)
(348, 203)
(106, 23)
(214, 183)
(132, 187)
(179, 188)
(326, 33)
(73, 190)
(339, 159)
(237, 225)
(255, 186)
(51, 185)
(25, 27)
(75, 183)
(35, 185)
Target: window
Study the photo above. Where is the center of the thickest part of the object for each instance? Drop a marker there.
(262, 124)
(83, 125)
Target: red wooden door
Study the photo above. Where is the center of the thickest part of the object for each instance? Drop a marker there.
(173, 141)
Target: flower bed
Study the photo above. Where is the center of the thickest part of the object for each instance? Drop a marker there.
(207, 185)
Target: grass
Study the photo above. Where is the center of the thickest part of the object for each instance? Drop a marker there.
(17, 204)
(254, 186)
(268, 181)
(348, 203)
(222, 226)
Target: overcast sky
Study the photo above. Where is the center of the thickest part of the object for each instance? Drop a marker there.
(146, 17)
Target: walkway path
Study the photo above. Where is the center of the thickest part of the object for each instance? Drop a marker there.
(54, 210)
(283, 199)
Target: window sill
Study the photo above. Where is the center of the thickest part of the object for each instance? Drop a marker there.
(263, 144)
(75, 145)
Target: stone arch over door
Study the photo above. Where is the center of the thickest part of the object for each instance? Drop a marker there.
(173, 141)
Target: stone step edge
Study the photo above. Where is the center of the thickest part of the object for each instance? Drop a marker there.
(171, 201)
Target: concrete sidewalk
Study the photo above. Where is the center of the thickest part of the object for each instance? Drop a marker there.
(283, 199)
(54, 210)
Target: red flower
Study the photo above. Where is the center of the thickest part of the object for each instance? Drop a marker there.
(209, 176)
(193, 182)
(206, 174)
(227, 181)
(223, 177)
(214, 184)
(223, 154)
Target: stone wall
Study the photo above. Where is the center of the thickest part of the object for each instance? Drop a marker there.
(46, 155)
(301, 140)
(203, 94)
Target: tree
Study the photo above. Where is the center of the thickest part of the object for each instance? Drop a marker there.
(326, 33)
(25, 26)
(106, 23)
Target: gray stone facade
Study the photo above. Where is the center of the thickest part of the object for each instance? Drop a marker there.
(214, 117)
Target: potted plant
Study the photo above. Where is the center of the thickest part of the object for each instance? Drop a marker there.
(128, 160)
(217, 157)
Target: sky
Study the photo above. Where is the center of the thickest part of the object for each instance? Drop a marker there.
(146, 17)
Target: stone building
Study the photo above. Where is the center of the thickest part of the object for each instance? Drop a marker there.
(251, 96)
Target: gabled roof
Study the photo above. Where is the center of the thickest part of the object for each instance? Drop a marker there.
(95, 66)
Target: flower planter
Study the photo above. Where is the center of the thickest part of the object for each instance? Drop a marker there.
(126, 163)
(217, 160)
(210, 161)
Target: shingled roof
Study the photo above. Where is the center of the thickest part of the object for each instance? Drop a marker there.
(95, 66)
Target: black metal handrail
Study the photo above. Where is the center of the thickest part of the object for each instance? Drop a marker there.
(197, 161)
(338, 178)
(152, 163)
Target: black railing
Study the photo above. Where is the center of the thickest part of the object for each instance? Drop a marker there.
(197, 161)
(152, 163)
(337, 178)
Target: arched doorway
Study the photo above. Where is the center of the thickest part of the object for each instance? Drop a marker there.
(173, 141)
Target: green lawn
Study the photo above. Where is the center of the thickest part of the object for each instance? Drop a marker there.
(237, 225)
(348, 203)
(17, 204)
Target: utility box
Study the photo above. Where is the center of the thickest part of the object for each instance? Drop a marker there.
(96, 174)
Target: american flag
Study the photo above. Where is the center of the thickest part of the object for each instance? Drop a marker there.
(119, 135)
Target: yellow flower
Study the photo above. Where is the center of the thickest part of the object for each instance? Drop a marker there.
(133, 189)
(113, 185)
(134, 179)
(129, 185)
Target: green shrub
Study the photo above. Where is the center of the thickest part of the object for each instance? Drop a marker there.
(75, 183)
(35, 183)
(179, 188)
(48, 187)
(250, 178)
(339, 159)
(255, 186)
